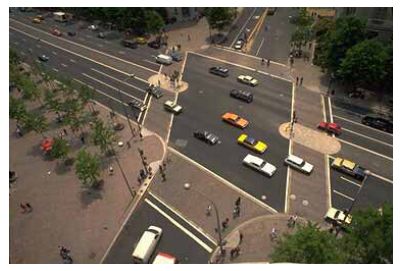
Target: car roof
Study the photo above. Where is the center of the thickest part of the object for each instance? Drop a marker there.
(295, 159)
(230, 115)
(348, 164)
(253, 159)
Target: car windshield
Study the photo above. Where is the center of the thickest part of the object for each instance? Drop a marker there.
(250, 140)
(236, 118)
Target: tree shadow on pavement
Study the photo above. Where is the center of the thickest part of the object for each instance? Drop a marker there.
(88, 196)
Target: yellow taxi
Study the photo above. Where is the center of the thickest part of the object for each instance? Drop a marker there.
(251, 143)
(349, 167)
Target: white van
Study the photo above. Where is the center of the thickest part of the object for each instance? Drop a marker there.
(147, 244)
(164, 59)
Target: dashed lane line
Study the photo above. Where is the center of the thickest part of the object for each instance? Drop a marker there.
(224, 181)
(343, 195)
(365, 149)
(362, 125)
(118, 80)
(244, 25)
(259, 47)
(147, 108)
(351, 182)
(179, 214)
(178, 225)
(370, 138)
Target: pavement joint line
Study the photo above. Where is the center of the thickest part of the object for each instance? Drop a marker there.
(328, 181)
(349, 181)
(83, 46)
(110, 86)
(239, 65)
(365, 149)
(382, 178)
(224, 181)
(118, 80)
(188, 221)
(366, 126)
(343, 195)
(370, 138)
(259, 47)
(177, 224)
(244, 25)
(73, 53)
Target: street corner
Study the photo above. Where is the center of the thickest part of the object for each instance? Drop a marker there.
(154, 147)
(310, 138)
(164, 82)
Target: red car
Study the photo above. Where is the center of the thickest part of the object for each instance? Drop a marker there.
(56, 32)
(330, 127)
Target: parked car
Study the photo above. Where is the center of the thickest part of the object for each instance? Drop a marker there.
(242, 95)
(239, 44)
(235, 120)
(129, 43)
(221, 71)
(136, 104)
(349, 167)
(93, 27)
(56, 32)
(251, 143)
(176, 56)
(172, 107)
(378, 123)
(338, 216)
(155, 91)
(299, 164)
(43, 58)
(330, 127)
(141, 40)
(154, 44)
(248, 80)
(164, 59)
(101, 35)
(206, 137)
(164, 258)
(36, 20)
(146, 245)
(71, 33)
(259, 165)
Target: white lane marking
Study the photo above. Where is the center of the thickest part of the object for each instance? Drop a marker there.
(343, 195)
(56, 70)
(351, 182)
(382, 178)
(110, 86)
(122, 52)
(64, 65)
(176, 212)
(323, 108)
(365, 149)
(370, 138)
(101, 92)
(72, 60)
(361, 124)
(177, 224)
(331, 117)
(328, 180)
(151, 62)
(121, 81)
(54, 53)
(86, 47)
(241, 66)
(244, 25)
(259, 47)
(226, 182)
(148, 108)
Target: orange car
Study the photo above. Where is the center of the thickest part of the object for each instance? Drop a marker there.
(235, 120)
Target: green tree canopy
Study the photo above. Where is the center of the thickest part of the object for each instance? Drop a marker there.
(219, 17)
(87, 168)
(17, 109)
(154, 21)
(102, 136)
(36, 122)
(60, 149)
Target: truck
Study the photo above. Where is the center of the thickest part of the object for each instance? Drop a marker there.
(60, 17)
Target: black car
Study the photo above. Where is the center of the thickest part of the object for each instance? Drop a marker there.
(71, 33)
(136, 104)
(242, 95)
(43, 58)
(155, 91)
(154, 44)
(129, 43)
(221, 71)
(378, 123)
(206, 137)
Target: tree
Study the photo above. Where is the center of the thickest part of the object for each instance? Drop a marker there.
(86, 94)
(364, 64)
(322, 27)
(51, 102)
(36, 122)
(14, 58)
(17, 109)
(219, 17)
(29, 89)
(154, 21)
(87, 168)
(60, 149)
(369, 237)
(308, 245)
(103, 136)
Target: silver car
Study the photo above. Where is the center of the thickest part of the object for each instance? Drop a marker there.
(299, 164)
(259, 164)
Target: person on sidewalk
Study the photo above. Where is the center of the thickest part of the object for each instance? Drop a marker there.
(208, 211)
(297, 80)
(268, 62)
(236, 211)
(238, 201)
(225, 224)
(301, 81)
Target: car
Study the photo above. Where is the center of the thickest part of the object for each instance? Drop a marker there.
(338, 216)
(348, 167)
(155, 91)
(71, 33)
(329, 127)
(136, 104)
(221, 71)
(36, 20)
(43, 58)
(145, 247)
(129, 43)
(239, 44)
(235, 120)
(242, 95)
(56, 32)
(251, 143)
(298, 163)
(206, 137)
(259, 164)
(378, 123)
(248, 80)
(154, 44)
(172, 107)
(93, 27)
(140, 40)
(176, 56)
(164, 258)
(101, 35)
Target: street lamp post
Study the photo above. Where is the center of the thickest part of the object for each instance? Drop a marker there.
(187, 186)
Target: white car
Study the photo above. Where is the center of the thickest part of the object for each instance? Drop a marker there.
(164, 258)
(259, 164)
(248, 80)
(172, 107)
(239, 44)
(299, 164)
(338, 216)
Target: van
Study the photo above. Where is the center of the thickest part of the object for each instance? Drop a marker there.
(164, 59)
(146, 246)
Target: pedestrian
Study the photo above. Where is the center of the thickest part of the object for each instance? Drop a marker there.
(274, 233)
(232, 253)
(240, 238)
(225, 223)
(65, 131)
(111, 170)
(262, 61)
(236, 251)
(61, 134)
(23, 207)
(141, 136)
(238, 201)
(128, 145)
(18, 131)
(297, 80)
(301, 80)
(236, 211)
(163, 177)
(333, 92)
(208, 211)
(268, 62)
(28, 206)
(82, 139)
(159, 83)
(139, 180)
(309, 45)
(188, 37)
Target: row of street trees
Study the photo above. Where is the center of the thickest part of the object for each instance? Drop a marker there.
(367, 240)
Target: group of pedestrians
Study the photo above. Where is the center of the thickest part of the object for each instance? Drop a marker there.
(267, 61)
(299, 81)
(65, 255)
